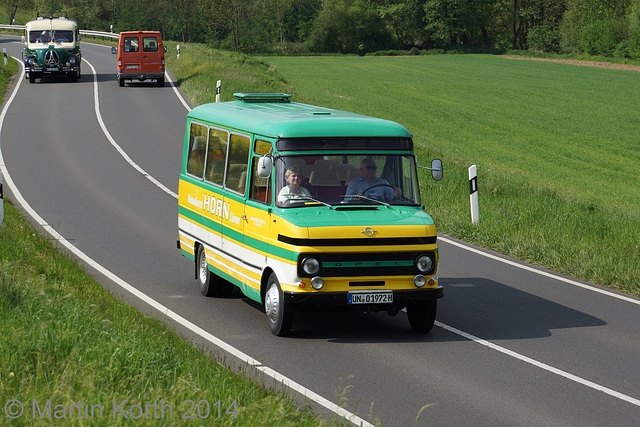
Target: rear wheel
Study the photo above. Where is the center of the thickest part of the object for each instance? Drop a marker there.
(422, 314)
(120, 82)
(211, 285)
(161, 81)
(279, 313)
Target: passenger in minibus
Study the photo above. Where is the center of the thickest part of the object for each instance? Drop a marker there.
(195, 165)
(369, 185)
(293, 189)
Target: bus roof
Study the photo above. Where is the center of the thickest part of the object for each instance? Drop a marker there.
(58, 23)
(273, 115)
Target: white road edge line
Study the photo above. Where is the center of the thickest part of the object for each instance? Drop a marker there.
(308, 394)
(541, 365)
(113, 142)
(540, 272)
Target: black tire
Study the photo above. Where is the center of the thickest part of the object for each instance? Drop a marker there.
(422, 315)
(279, 313)
(211, 285)
(74, 76)
(161, 82)
(32, 78)
(120, 82)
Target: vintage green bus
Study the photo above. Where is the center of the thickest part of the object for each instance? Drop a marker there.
(301, 206)
(52, 48)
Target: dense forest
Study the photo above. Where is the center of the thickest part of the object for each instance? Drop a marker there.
(593, 27)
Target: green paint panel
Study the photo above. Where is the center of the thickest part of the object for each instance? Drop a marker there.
(367, 264)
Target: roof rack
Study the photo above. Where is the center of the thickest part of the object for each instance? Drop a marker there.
(262, 97)
(51, 15)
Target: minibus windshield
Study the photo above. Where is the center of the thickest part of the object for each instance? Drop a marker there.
(312, 179)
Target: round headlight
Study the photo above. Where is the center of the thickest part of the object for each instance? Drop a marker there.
(424, 263)
(311, 266)
(419, 280)
(73, 60)
(32, 60)
(317, 283)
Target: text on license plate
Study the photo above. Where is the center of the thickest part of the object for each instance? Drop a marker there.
(130, 67)
(370, 297)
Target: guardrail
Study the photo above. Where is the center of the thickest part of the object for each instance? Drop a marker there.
(102, 34)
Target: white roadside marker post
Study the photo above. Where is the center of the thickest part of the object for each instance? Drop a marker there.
(218, 90)
(473, 194)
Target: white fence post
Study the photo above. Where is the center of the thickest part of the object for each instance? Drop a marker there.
(218, 85)
(473, 194)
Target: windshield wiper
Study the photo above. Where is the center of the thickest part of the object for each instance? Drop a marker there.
(306, 198)
(367, 198)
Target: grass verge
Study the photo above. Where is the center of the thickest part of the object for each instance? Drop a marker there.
(67, 341)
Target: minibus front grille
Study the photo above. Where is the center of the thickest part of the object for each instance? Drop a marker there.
(403, 241)
(365, 264)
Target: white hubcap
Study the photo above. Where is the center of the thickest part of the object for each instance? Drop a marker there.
(272, 302)
(203, 269)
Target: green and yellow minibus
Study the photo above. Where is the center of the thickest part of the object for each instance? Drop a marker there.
(301, 206)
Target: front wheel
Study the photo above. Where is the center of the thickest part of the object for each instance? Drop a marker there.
(279, 313)
(211, 285)
(422, 314)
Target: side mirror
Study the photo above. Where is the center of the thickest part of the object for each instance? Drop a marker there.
(165, 48)
(436, 169)
(264, 167)
(114, 49)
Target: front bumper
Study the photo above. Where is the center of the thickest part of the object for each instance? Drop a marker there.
(139, 76)
(52, 70)
(337, 299)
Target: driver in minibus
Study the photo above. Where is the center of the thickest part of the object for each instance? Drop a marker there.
(369, 185)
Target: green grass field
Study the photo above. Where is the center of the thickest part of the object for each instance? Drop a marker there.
(557, 148)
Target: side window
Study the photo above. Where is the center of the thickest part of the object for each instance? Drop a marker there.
(149, 44)
(131, 44)
(197, 150)
(237, 164)
(260, 188)
(217, 153)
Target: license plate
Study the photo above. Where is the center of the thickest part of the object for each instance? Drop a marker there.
(370, 297)
(52, 69)
(132, 67)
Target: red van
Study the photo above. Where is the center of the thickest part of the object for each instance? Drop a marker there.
(140, 56)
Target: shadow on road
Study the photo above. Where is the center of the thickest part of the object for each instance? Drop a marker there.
(478, 306)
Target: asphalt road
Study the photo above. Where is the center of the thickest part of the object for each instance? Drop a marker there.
(513, 345)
